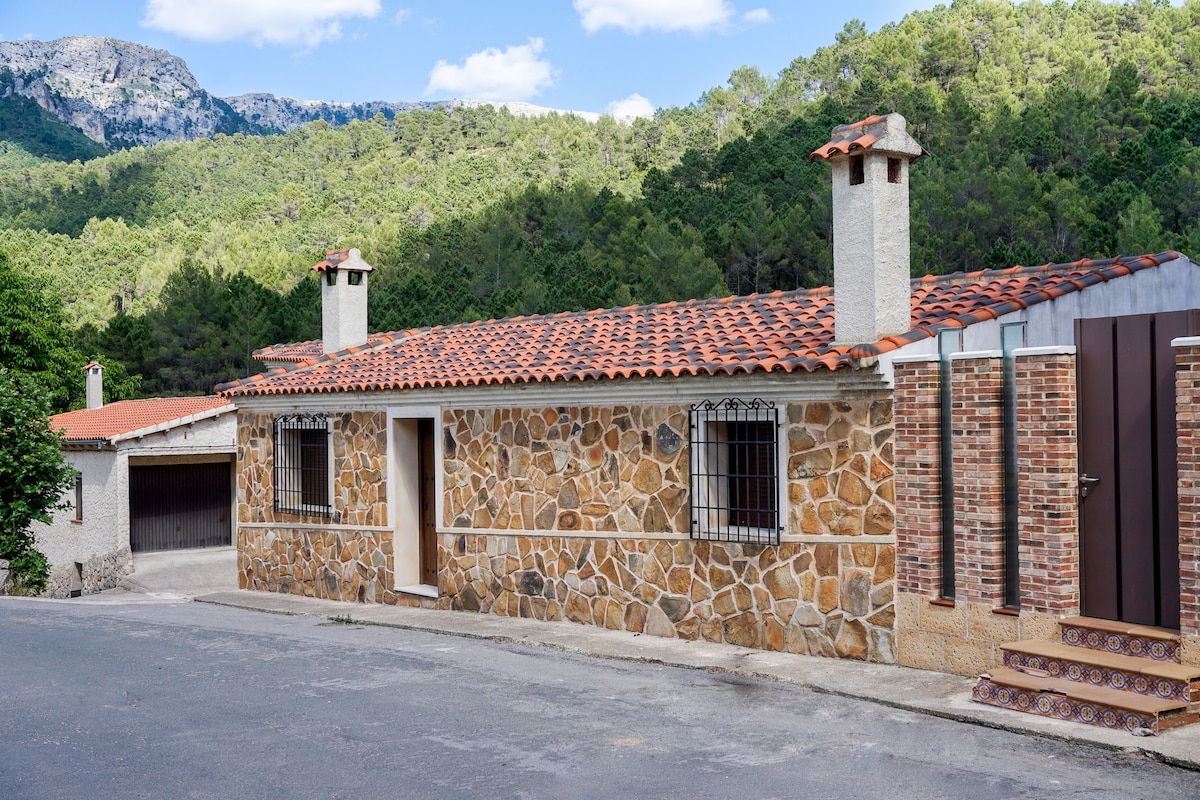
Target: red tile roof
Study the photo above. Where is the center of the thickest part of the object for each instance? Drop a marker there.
(127, 416)
(295, 352)
(777, 332)
(852, 137)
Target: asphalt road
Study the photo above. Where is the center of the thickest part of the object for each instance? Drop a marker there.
(185, 700)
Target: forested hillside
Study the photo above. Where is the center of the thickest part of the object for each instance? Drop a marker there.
(1056, 131)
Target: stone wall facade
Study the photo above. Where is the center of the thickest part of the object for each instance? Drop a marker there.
(547, 506)
(340, 557)
(581, 514)
(819, 599)
(962, 633)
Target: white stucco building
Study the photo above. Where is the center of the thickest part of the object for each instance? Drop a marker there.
(154, 474)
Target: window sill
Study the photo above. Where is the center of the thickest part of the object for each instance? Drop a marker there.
(421, 590)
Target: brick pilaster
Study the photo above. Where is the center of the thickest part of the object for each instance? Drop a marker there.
(978, 480)
(918, 479)
(1187, 422)
(1047, 480)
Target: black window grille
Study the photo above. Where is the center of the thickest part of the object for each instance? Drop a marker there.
(735, 471)
(302, 465)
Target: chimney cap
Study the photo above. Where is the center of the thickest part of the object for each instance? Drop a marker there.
(348, 258)
(880, 133)
(93, 365)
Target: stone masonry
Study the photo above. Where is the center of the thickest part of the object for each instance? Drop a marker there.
(338, 557)
(581, 514)
(525, 487)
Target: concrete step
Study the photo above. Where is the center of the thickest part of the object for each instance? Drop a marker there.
(1165, 680)
(1059, 698)
(1121, 638)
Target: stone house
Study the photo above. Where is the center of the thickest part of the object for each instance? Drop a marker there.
(886, 471)
(153, 474)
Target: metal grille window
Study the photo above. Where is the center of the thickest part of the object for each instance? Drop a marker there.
(302, 465)
(734, 471)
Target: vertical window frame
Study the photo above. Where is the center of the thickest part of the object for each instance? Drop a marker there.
(78, 515)
(303, 468)
(735, 475)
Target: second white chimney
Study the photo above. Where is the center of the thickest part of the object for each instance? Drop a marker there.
(870, 161)
(94, 392)
(343, 299)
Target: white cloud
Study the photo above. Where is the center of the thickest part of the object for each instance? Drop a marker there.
(630, 108)
(514, 74)
(757, 16)
(288, 22)
(401, 16)
(635, 16)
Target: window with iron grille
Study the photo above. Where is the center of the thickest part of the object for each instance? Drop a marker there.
(735, 471)
(302, 465)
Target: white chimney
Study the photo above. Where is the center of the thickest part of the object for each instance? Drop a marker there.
(343, 299)
(95, 385)
(870, 161)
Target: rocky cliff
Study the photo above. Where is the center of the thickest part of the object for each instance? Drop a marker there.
(123, 94)
(117, 93)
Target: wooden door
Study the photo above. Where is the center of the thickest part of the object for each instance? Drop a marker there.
(1129, 521)
(428, 503)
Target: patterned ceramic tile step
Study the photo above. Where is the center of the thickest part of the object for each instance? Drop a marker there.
(1079, 702)
(1162, 679)
(1122, 638)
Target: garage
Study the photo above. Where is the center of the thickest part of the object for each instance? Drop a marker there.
(178, 506)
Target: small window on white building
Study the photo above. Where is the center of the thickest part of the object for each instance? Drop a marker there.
(302, 456)
(78, 498)
(735, 471)
(858, 173)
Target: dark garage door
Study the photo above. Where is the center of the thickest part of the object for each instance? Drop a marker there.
(175, 506)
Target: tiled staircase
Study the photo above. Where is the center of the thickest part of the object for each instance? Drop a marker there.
(1104, 673)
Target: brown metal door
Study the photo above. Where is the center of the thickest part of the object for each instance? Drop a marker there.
(1129, 541)
(176, 506)
(428, 512)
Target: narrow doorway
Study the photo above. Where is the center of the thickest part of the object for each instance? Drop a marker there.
(427, 503)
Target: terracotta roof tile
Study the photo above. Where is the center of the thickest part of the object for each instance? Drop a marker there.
(126, 416)
(854, 136)
(335, 257)
(777, 332)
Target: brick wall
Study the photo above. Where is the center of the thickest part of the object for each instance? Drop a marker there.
(978, 455)
(963, 635)
(918, 478)
(1047, 457)
(1187, 387)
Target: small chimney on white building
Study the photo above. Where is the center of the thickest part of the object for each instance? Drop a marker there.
(94, 392)
(870, 161)
(343, 299)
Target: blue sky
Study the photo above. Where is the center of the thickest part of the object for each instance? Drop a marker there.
(582, 55)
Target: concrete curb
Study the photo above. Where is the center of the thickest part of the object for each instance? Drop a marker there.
(918, 691)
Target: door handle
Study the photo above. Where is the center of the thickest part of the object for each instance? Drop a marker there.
(1086, 482)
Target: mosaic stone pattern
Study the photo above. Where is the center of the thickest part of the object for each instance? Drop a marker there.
(1103, 676)
(1121, 643)
(817, 599)
(359, 444)
(331, 565)
(624, 469)
(1058, 707)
